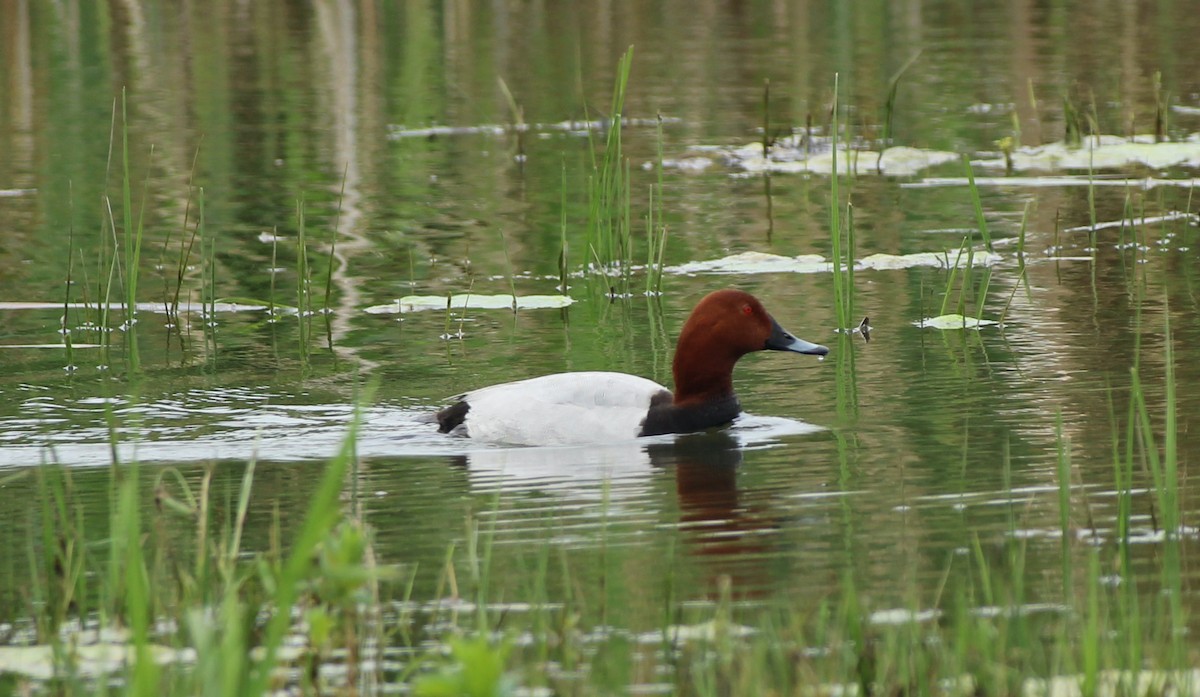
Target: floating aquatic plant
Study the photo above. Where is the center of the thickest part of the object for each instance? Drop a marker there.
(503, 301)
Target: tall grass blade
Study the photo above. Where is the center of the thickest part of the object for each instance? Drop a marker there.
(889, 108)
(835, 219)
(337, 223)
(133, 240)
(65, 322)
(172, 307)
(274, 265)
(977, 204)
(127, 218)
(563, 249)
(303, 294)
(608, 210)
(323, 513)
(1063, 471)
(953, 274)
(848, 291)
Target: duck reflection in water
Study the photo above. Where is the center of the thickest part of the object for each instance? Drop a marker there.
(735, 539)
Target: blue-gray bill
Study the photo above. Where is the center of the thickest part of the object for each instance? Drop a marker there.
(782, 340)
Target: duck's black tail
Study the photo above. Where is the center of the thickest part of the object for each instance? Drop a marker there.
(452, 416)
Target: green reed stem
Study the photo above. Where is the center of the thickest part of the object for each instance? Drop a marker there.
(889, 108)
(1161, 109)
(1170, 422)
(650, 242)
(107, 287)
(1127, 598)
(1063, 471)
(766, 125)
(323, 513)
(661, 226)
(627, 226)
(208, 274)
(185, 258)
(953, 274)
(1172, 561)
(133, 238)
(1071, 122)
(1092, 232)
(512, 284)
(132, 246)
(172, 309)
(303, 297)
(65, 322)
(977, 203)
(848, 291)
(1092, 629)
(563, 249)
(608, 201)
(273, 273)
(337, 222)
(1021, 277)
(984, 284)
(835, 220)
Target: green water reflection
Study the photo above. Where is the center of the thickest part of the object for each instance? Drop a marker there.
(267, 104)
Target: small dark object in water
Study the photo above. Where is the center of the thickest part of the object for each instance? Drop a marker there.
(864, 328)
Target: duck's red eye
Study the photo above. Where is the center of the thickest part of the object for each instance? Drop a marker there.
(747, 310)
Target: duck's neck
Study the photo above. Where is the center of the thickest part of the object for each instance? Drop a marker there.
(703, 370)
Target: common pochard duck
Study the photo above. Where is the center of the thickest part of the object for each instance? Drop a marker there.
(598, 407)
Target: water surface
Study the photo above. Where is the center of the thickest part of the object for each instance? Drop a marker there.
(890, 469)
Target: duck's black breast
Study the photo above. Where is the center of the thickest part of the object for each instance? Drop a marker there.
(667, 417)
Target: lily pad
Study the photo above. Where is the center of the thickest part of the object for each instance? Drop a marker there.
(184, 306)
(1136, 222)
(1113, 682)
(504, 301)
(39, 661)
(1104, 152)
(760, 262)
(705, 632)
(954, 321)
(684, 164)
(757, 262)
(790, 155)
(50, 346)
(901, 616)
(944, 260)
(397, 132)
(1144, 184)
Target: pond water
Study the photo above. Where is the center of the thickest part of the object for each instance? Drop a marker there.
(388, 126)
